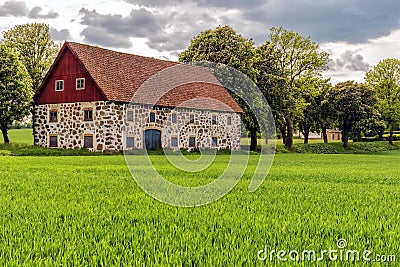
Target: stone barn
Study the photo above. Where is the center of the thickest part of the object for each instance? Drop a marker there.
(105, 100)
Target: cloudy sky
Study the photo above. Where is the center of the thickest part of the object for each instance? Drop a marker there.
(356, 33)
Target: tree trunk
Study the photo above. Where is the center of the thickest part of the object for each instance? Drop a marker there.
(290, 129)
(283, 133)
(306, 134)
(345, 139)
(253, 139)
(325, 135)
(4, 131)
(380, 135)
(391, 136)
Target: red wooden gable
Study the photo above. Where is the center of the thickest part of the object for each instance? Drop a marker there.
(67, 68)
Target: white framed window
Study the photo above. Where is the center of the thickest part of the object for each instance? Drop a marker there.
(173, 118)
(152, 117)
(214, 119)
(53, 116)
(88, 141)
(229, 120)
(130, 142)
(192, 141)
(129, 115)
(88, 114)
(214, 141)
(80, 83)
(53, 142)
(174, 141)
(59, 86)
(191, 119)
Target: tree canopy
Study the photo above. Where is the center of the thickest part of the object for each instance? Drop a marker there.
(353, 102)
(295, 60)
(223, 45)
(385, 79)
(15, 89)
(35, 48)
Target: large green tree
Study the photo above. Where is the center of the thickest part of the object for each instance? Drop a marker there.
(35, 48)
(313, 117)
(295, 59)
(354, 103)
(223, 45)
(15, 90)
(385, 79)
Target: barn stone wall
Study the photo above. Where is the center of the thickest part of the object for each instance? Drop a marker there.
(111, 127)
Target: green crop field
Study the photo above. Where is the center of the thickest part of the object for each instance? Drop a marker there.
(88, 211)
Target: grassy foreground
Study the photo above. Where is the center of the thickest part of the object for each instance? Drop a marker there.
(88, 211)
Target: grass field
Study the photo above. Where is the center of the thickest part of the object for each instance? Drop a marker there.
(88, 211)
(23, 136)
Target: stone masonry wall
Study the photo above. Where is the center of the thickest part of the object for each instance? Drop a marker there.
(110, 126)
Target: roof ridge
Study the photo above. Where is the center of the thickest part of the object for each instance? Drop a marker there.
(122, 53)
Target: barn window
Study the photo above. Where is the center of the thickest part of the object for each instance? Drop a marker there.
(192, 141)
(152, 117)
(130, 142)
(53, 116)
(214, 141)
(129, 116)
(174, 141)
(191, 118)
(214, 119)
(53, 141)
(88, 115)
(80, 83)
(173, 118)
(88, 141)
(229, 120)
(59, 85)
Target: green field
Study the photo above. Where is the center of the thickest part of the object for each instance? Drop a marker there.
(88, 211)
(23, 136)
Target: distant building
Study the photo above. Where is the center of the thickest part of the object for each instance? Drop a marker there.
(86, 101)
(332, 134)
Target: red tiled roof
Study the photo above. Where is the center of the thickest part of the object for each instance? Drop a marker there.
(131, 78)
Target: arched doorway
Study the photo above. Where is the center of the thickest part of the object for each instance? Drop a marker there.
(152, 139)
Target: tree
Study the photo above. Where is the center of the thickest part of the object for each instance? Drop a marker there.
(35, 48)
(311, 120)
(295, 59)
(385, 79)
(15, 90)
(327, 117)
(353, 102)
(223, 45)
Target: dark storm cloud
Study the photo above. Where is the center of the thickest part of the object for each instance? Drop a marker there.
(349, 60)
(330, 21)
(169, 32)
(169, 25)
(59, 35)
(115, 30)
(155, 3)
(35, 14)
(226, 4)
(325, 21)
(13, 9)
(19, 9)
